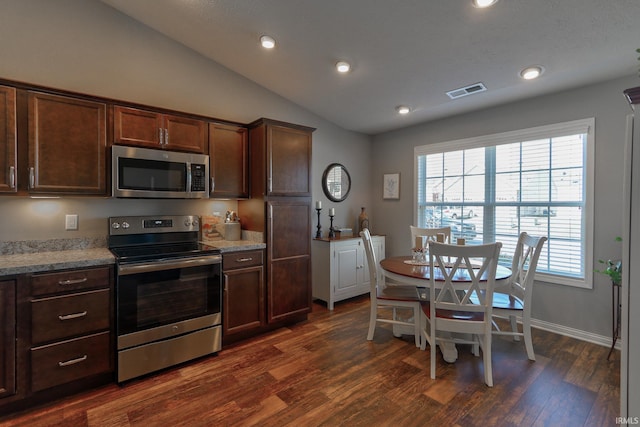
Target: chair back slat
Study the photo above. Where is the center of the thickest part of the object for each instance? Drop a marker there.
(462, 276)
(430, 233)
(524, 264)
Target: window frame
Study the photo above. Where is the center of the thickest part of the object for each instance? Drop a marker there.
(582, 126)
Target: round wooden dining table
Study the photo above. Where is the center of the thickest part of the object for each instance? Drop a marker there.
(403, 268)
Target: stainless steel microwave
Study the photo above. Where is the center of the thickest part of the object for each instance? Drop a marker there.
(159, 174)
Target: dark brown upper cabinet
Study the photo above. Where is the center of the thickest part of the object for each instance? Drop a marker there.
(151, 129)
(67, 145)
(228, 157)
(8, 140)
(284, 163)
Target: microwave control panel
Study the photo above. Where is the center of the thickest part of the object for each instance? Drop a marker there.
(198, 178)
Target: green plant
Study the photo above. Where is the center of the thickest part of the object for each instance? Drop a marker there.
(613, 269)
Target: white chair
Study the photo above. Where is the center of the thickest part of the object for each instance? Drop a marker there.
(513, 301)
(389, 297)
(457, 273)
(430, 233)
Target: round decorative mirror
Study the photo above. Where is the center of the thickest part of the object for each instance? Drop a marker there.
(336, 182)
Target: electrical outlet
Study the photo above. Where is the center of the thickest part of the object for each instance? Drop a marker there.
(71, 222)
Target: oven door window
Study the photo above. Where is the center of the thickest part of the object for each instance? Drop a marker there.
(151, 299)
(151, 175)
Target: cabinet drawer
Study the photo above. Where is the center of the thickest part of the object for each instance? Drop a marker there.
(70, 315)
(68, 361)
(241, 260)
(72, 280)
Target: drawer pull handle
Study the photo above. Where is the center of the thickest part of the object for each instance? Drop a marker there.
(73, 361)
(72, 281)
(244, 259)
(72, 316)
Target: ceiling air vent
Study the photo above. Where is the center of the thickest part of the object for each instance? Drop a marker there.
(467, 90)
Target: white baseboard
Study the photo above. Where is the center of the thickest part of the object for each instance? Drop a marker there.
(602, 340)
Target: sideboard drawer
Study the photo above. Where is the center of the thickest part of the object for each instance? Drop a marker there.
(63, 362)
(71, 280)
(241, 259)
(69, 315)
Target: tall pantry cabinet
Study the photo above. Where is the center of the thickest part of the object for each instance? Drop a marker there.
(280, 207)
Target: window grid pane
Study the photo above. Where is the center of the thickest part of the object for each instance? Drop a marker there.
(538, 188)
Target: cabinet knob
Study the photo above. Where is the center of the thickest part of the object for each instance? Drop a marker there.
(32, 177)
(12, 177)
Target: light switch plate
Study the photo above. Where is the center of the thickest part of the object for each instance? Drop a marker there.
(71, 222)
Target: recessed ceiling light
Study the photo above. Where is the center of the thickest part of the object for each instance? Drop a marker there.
(484, 3)
(531, 73)
(267, 42)
(403, 109)
(343, 67)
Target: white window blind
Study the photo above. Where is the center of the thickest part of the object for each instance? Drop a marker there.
(491, 188)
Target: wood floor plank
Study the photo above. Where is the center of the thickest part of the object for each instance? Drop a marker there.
(323, 372)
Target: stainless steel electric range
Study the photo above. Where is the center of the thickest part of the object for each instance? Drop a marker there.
(168, 293)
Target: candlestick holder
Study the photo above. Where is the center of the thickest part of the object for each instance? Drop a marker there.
(332, 232)
(319, 232)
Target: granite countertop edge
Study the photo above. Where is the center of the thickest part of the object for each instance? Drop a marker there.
(36, 262)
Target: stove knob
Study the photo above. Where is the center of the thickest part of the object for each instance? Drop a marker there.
(195, 222)
(115, 225)
(125, 225)
(187, 222)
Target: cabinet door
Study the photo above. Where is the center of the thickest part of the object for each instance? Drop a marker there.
(137, 127)
(8, 140)
(67, 145)
(185, 134)
(7, 338)
(228, 158)
(348, 260)
(289, 259)
(289, 161)
(243, 300)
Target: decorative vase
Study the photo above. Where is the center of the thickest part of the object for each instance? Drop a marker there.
(363, 220)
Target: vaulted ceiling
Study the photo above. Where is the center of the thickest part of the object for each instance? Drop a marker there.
(403, 52)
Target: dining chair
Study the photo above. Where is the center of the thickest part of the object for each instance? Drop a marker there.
(430, 233)
(391, 298)
(456, 273)
(513, 301)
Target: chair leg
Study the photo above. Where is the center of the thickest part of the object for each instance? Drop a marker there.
(394, 328)
(433, 350)
(486, 356)
(373, 316)
(528, 342)
(416, 327)
(514, 327)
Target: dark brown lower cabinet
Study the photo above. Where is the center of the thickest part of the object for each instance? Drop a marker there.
(7, 338)
(56, 335)
(289, 259)
(243, 292)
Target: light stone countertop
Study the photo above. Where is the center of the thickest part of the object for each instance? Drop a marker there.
(54, 260)
(238, 245)
(49, 259)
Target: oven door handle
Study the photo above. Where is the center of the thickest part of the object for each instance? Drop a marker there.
(168, 264)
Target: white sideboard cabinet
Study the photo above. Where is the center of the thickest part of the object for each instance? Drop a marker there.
(340, 269)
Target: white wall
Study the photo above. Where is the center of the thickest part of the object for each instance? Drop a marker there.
(582, 309)
(86, 46)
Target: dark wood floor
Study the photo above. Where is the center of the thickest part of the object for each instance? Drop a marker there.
(325, 372)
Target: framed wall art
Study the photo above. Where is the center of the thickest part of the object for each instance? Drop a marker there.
(391, 186)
